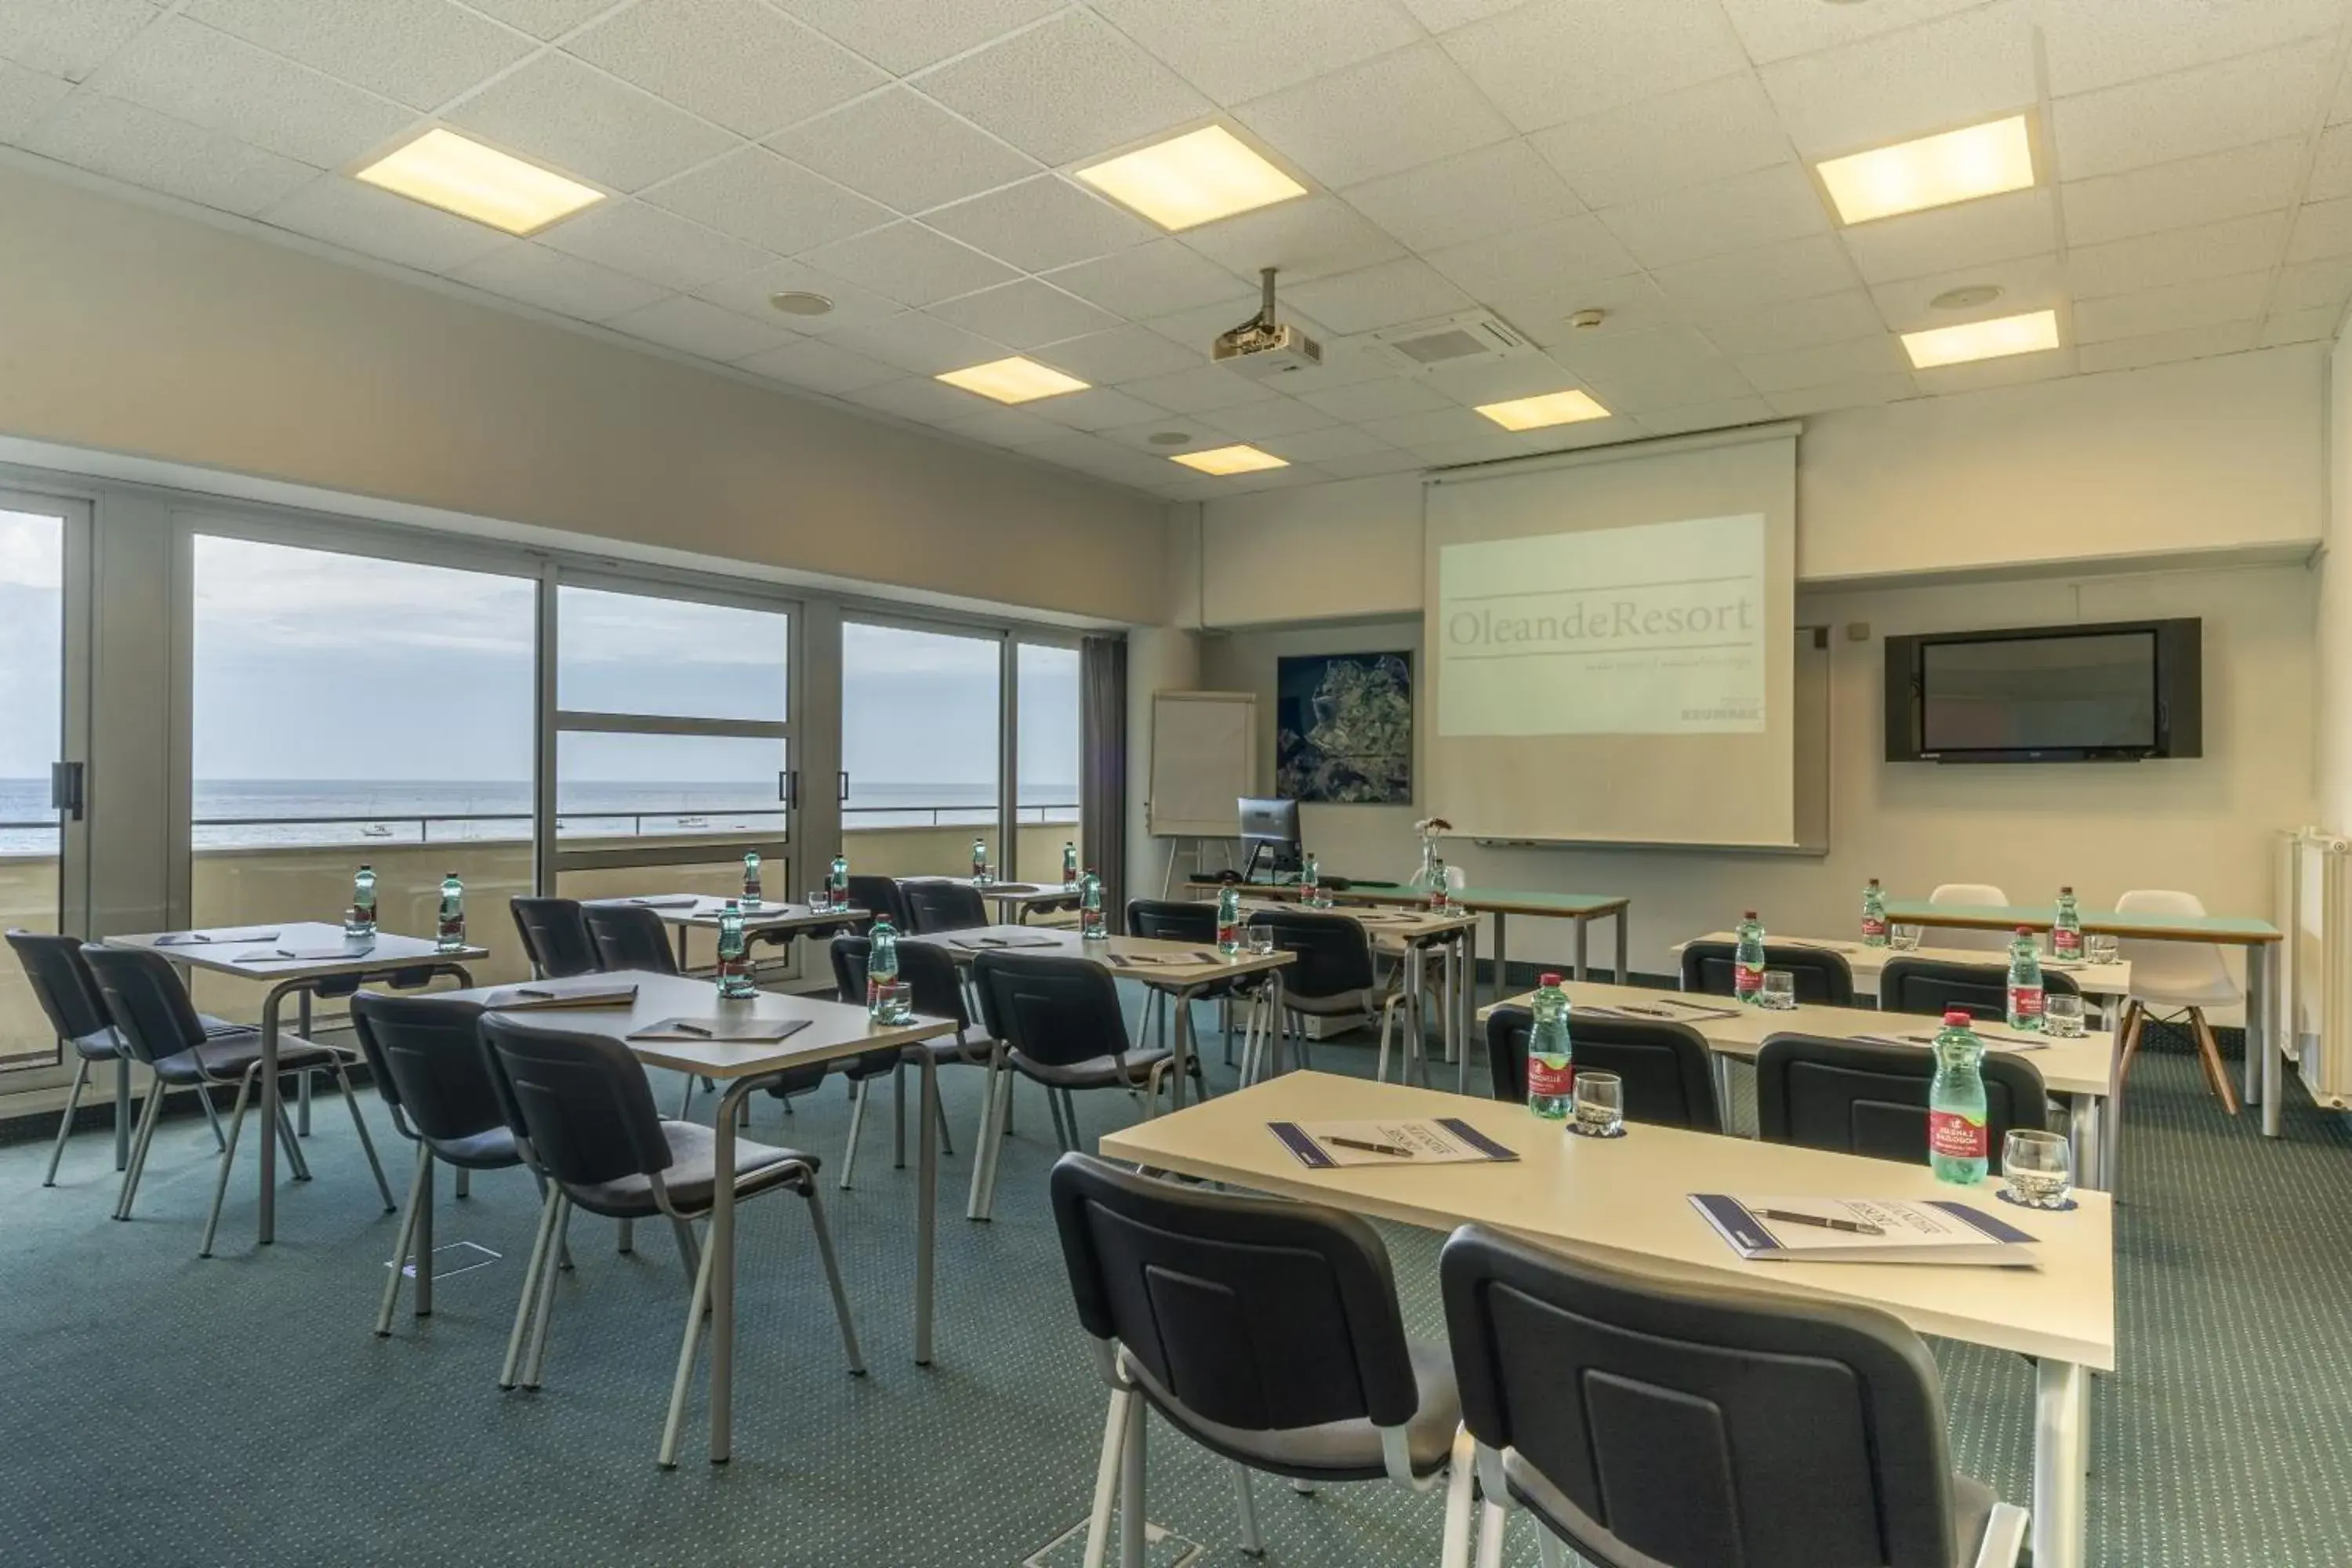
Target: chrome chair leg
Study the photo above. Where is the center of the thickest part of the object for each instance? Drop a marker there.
(697, 1304)
(400, 1248)
(857, 1126)
(359, 1125)
(686, 1100)
(898, 1117)
(294, 1157)
(527, 1300)
(64, 1123)
(1494, 1522)
(149, 1110)
(1253, 1543)
(211, 1114)
(228, 1157)
(1131, 1505)
(689, 1252)
(1107, 1469)
(302, 1099)
(947, 1140)
(627, 1242)
(833, 1279)
(462, 1184)
(995, 1099)
(538, 1358)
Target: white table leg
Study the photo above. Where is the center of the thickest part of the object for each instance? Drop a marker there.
(2265, 1057)
(2083, 1115)
(267, 1231)
(1502, 962)
(2062, 1452)
(1583, 941)
(927, 1201)
(722, 1275)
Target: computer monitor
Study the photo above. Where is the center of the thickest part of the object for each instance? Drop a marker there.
(1270, 827)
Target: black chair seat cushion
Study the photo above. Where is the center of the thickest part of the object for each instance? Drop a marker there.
(105, 1044)
(1972, 1506)
(491, 1148)
(1336, 1450)
(1095, 1072)
(1339, 1003)
(949, 1051)
(227, 1055)
(693, 1175)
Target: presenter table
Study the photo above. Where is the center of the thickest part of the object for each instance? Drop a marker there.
(2265, 1062)
(1627, 1201)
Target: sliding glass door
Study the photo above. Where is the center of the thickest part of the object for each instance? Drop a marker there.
(920, 733)
(44, 554)
(1047, 709)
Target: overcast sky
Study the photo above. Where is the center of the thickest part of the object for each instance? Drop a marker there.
(316, 665)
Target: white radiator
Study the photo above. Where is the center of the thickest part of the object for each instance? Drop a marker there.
(2314, 891)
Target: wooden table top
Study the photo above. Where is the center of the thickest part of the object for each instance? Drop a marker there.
(1156, 962)
(1481, 900)
(230, 949)
(1867, 962)
(1627, 1201)
(2231, 931)
(705, 911)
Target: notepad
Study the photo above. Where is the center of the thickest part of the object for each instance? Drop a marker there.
(545, 998)
(669, 901)
(301, 954)
(2005, 1042)
(192, 938)
(722, 1031)
(1403, 1141)
(980, 944)
(1867, 1230)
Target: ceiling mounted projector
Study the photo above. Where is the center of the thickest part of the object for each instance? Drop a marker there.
(1263, 348)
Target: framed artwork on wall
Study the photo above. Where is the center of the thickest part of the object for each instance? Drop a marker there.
(1343, 727)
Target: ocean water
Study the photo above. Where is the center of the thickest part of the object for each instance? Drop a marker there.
(241, 812)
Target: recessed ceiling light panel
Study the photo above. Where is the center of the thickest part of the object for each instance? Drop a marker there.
(1995, 338)
(1243, 459)
(1932, 172)
(1015, 379)
(1193, 179)
(1552, 408)
(456, 174)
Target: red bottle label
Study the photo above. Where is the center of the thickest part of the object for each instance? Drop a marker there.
(1956, 1137)
(1745, 979)
(2025, 1001)
(1229, 937)
(1873, 926)
(1549, 1081)
(2066, 943)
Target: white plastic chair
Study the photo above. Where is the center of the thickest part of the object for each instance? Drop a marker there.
(1967, 893)
(2185, 977)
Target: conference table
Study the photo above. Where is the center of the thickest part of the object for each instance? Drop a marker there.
(1626, 1201)
(302, 958)
(690, 912)
(1014, 901)
(2107, 984)
(1405, 933)
(2265, 1056)
(2079, 1071)
(832, 1033)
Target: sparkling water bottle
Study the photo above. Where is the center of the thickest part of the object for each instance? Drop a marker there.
(1747, 961)
(2066, 931)
(837, 879)
(1441, 890)
(980, 862)
(2024, 982)
(734, 955)
(1958, 1141)
(359, 919)
(1069, 865)
(881, 966)
(1228, 920)
(449, 929)
(1310, 882)
(1092, 926)
(1552, 1073)
(751, 879)
(1873, 915)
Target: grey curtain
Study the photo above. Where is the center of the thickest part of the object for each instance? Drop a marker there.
(1102, 767)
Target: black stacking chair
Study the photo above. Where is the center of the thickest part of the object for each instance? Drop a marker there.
(161, 1027)
(554, 937)
(1862, 1098)
(849, 954)
(629, 936)
(1668, 1071)
(934, 905)
(582, 1117)
(879, 896)
(1331, 975)
(1170, 920)
(1935, 986)
(425, 1056)
(1821, 975)
(62, 984)
(1673, 1426)
(1265, 1330)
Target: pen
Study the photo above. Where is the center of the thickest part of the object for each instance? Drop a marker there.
(534, 992)
(1852, 1227)
(1369, 1148)
(683, 1027)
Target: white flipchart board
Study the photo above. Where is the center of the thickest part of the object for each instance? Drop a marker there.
(1203, 760)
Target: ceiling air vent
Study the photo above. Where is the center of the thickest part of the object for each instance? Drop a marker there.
(1466, 339)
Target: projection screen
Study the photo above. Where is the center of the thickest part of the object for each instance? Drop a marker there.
(1610, 633)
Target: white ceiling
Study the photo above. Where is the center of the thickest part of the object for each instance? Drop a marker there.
(909, 159)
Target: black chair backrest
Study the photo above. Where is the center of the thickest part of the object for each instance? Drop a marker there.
(1864, 1098)
(144, 996)
(937, 987)
(61, 983)
(1172, 921)
(629, 936)
(425, 1056)
(1053, 1010)
(1335, 953)
(1665, 1423)
(554, 936)
(1255, 1313)
(880, 896)
(1821, 975)
(849, 954)
(1934, 985)
(1668, 1071)
(578, 1102)
(935, 904)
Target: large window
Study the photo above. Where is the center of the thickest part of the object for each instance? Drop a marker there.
(32, 722)
(348, 709)
(919, 732)
(1047, 714)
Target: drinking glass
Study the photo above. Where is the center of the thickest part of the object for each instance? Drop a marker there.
(1779, 992)
(2099, 948)
(1599, 1105)
(820, 901)
(893, 1002)
(1904, 939)
(2061, 1016)
(2037, 1169)
(1258, 939)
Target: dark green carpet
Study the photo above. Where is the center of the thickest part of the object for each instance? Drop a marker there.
(159, 1410)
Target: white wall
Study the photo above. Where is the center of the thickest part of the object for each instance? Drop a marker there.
(2333, 802)
(2201, 825)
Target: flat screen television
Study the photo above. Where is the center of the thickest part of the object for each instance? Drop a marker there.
(2120, 691)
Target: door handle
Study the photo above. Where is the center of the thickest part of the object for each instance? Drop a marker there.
(66, 789)
(844, 796)
(788, 788)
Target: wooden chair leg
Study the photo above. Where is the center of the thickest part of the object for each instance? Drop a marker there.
(2210, 1049)
(2134, 1026)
